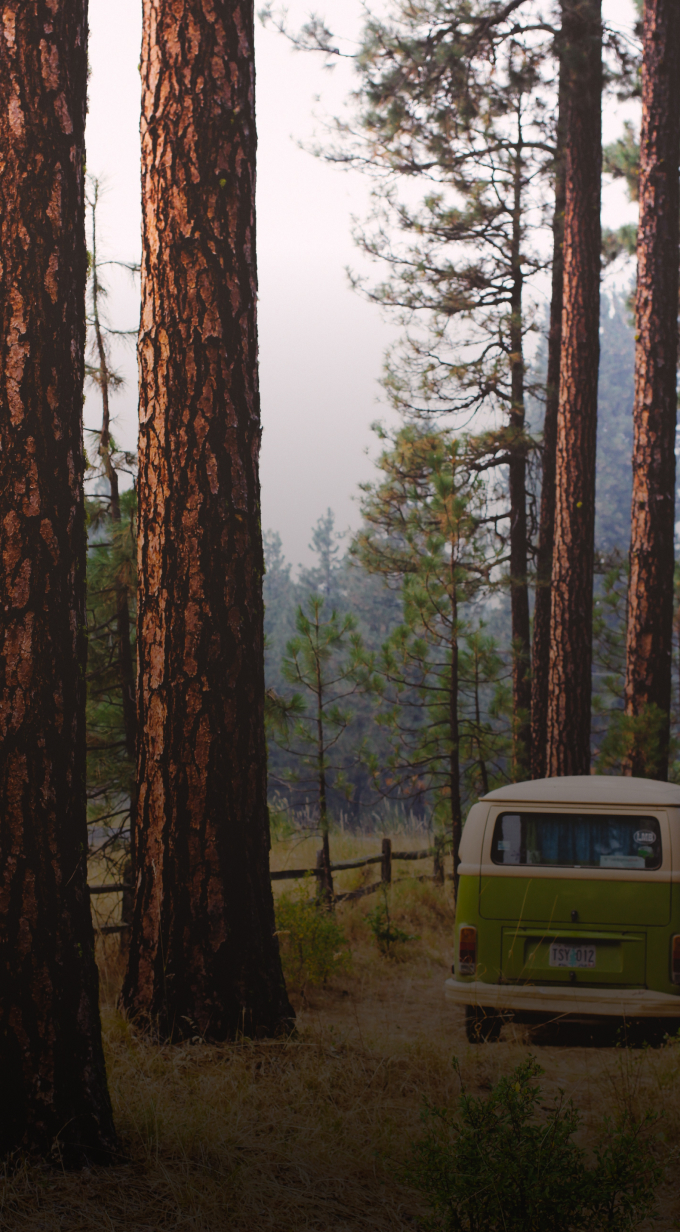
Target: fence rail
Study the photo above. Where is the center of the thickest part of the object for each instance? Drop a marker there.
(385, 860)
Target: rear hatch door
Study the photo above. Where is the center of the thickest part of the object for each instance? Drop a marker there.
(576, 869)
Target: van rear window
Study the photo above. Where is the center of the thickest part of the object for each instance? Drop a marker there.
(577, 840)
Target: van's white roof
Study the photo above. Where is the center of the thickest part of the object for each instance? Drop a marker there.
(589, 789)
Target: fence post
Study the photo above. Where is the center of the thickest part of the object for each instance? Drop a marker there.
(324, 880)
(386, 863)
(439, 860)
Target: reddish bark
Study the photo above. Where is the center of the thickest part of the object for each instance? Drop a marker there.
(540, 655)
(203, 953)
(650, 599)
(53, 1090)
(568, 743)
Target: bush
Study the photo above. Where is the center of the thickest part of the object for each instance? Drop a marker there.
(313, 946)
(386, 934)
(496, 1164)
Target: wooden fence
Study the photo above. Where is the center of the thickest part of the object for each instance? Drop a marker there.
(385, 860)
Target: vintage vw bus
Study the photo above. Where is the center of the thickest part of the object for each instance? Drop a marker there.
(569, 904)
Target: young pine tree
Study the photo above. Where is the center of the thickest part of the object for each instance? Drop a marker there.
(112, 581)
(322, 661)
(112, 461)
(427, 525)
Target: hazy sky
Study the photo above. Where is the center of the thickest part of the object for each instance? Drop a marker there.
(321, 345)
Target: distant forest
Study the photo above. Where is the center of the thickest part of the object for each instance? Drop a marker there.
(349, 589)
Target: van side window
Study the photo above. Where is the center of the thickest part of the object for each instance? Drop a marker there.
(577, 840)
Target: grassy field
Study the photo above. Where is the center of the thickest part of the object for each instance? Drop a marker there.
(313, 1132)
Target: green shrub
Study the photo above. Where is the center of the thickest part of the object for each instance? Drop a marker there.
(386, 934)
(313, 946)
(506, 1163)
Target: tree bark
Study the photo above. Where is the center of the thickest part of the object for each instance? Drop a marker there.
(454, 725)
(650, 596)
(325, 887)
(483, 774)
(204, 957)
(53, 1092)
(540, 654)
(325, 882)
(568, 750)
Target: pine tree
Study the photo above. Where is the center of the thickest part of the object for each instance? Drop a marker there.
(652, 549)
(53, 1091)
(111, 587)
(324, 578)
(426, 523)
(568, 730)
(103, 375)
(322, 661)
(203, 952)
(540, 649)
(454, 95)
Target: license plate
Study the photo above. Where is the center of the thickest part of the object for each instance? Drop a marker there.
(572, 955)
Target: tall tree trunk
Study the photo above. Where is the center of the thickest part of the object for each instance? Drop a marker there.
(203, 954)
(325, 890)
(568, 750)
(540, 654)
(650, 596)
(481, 761)
(454, 725)
(53, 1089)
(519, 588)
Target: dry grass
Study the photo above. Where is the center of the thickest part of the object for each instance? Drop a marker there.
(312, 1133)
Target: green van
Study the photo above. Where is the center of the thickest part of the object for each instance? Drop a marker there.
(569, 905)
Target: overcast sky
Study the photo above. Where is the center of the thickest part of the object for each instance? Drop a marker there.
(321, 345)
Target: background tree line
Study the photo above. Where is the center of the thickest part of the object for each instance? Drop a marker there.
(349, 589)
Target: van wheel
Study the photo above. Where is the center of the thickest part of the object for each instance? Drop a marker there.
(482, 1023)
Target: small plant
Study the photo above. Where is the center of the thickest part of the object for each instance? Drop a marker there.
(506, 1163)
(313, 946)
(386, 934)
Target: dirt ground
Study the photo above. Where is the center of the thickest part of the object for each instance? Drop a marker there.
(314, 1132)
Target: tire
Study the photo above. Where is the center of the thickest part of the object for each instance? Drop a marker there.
(482, 1024)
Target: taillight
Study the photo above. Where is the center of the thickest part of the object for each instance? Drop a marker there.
(467, 950)
(675, 960)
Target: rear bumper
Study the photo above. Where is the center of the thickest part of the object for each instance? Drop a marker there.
(572, 999)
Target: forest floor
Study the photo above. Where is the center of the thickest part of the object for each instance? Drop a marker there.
(314, 1132)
